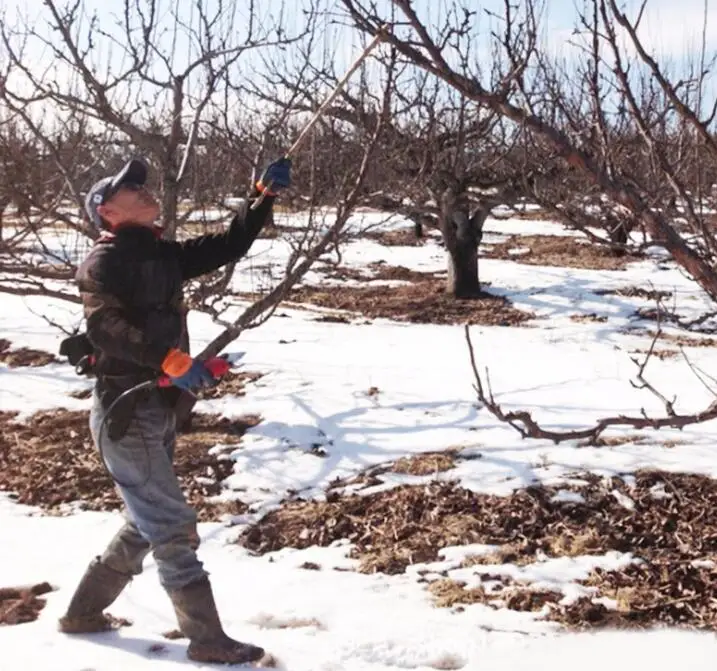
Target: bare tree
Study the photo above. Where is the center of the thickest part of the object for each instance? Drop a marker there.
(165, 67)
(441, 159)
(537, 114)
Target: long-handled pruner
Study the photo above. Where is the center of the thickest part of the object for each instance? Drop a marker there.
(378, 38)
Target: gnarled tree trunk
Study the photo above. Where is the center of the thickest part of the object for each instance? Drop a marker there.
(462, 233)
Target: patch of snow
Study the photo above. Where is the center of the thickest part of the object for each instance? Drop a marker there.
(566, 496)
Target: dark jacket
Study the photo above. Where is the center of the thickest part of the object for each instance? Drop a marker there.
(131, 289)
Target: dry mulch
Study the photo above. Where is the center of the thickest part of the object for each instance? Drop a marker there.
(669, 527)
(685, 340)
(589, 318)
(49, 461)
(558, 251)
(681, 340)
(234, 383)
(426, 463)
(636, 292)
(424, 302)
(20, 605)
(376, 271)
(24, 356)
(660, 354)
(401, 237)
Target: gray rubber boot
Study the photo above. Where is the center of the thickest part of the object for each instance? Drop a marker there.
(126, 551)
(199, 621)
(99, 588)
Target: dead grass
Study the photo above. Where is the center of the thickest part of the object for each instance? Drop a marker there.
(575, 544)
(510, 553)
(402, 237)
(425, 302)
(447, 663)
(82, 394)
(265, 621)
(661, 354)
(616, 441)
(558, 251)
(20, 605)
(684, 340)
(384, 272)
(378, 271)
(310, 566)
(426, 463)
(532, 215)
(592, 317)
(667, 338)
(24, 356)
(409, 525)
(50, 461)
(529, 600)
(636, 292)
(233, 384)
(447, 593)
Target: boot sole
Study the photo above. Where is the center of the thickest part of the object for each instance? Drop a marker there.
(266, 661)
(91, 625)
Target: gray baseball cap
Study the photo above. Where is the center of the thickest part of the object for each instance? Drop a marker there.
(134, 172)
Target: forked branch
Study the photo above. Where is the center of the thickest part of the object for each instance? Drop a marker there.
(523, 422)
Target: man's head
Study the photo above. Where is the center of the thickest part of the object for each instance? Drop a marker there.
(122, 199)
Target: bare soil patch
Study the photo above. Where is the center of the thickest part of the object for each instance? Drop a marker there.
(50, 461)
(559, 251)
(667, 526)
(24, 356)
(424, 302)
(19, 605)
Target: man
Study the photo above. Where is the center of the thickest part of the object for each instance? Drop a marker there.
(131, 289)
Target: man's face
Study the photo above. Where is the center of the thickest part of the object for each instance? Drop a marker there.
(130, 204)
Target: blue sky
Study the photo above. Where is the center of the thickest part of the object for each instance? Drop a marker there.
(670, 24)
(671, 28)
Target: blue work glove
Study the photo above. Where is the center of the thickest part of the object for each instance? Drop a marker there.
(187, 373)
(276, 176)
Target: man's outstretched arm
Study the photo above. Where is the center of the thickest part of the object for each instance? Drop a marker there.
(206, 253)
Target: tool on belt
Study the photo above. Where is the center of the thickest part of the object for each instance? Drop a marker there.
(78, 349)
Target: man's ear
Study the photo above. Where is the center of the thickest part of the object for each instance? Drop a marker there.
(106, 211)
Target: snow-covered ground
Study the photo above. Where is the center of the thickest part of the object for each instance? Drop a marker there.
(315, 391)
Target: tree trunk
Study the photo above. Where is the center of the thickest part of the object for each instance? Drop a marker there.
(462, 235)
(170, 206)
(463, 280)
